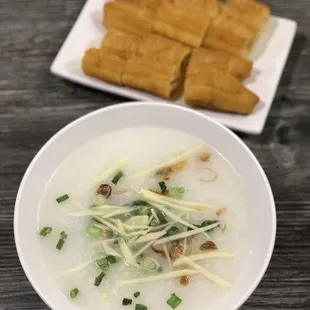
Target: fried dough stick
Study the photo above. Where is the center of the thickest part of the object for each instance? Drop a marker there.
(251, 13)
(203, 59)
(181, 22)
(229, 35)
(158, 67)
(215, 90)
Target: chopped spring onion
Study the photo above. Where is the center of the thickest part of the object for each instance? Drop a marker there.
(140, 307)
(176, 192)
(99, 278)
(126, 302)
(150, 264)
(60, 244)
(103, 264)
(185, 234)
(139, 203)
(206, 273)
(174, 301)
(62, 198)
(163, 186)
(170, 162)
(93, 232)
(208, 222)
(201, 256)
(162, 276)
(45, 231)
(129, 258)
(74, 292)
(111, 259)
(144, 211)
(117, 177)
(100, 200)
(63, 235)
(136, 294)
(171, 231)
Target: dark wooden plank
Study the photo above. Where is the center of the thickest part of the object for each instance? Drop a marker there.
(34, 105)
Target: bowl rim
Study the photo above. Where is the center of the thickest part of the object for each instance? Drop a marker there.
(119, 106)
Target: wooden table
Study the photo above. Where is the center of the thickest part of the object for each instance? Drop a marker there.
(34, 105)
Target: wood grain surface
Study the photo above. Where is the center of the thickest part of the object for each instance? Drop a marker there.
(34, 105)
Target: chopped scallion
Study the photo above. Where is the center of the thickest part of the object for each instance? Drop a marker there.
(171, 231)
(140, 307)
(162, 186)
(136, 294)
(93, 231)
(103, 264)
(45, 231)
(63, 235)
(111, 259)
(174, 301)
(60, 244)
(144, 211)
(117, 177)
(150, 264)
(208, 222)
(99, 278)
(74, 293)
(100, 200)
(176, 192)
(139, 203)
(161, 216)
(126, 302)
(62, 198)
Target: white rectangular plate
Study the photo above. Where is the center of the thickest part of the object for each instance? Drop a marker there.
(269, 55)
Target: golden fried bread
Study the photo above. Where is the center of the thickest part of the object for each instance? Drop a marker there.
(204, 59)
(103, 66)
(229, 35)
(127, 17)
(121, 43)
(180, 23)
(220, 91)
(251, 13)
(146, 4)
(158, 66)
(210, 8)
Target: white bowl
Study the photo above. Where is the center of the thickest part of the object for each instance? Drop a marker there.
(262, 215)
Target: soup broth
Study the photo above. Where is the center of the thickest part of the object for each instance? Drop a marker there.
(203, 176)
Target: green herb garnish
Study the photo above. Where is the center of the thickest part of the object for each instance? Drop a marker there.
(62, 198)
(176, 192)
(144, 211)
(162, 186)
(74, 293)
(103, 264)
(174, 301)
(60, 244)
(140, 307)
(139, 203)
(161, 216)
(100, 200)
(117, 177)
(45, 231)
(99, 278)
(209, 222)
(63, 235)
(171, 231)
(111, 259)
(93, 231)
(136, 294)
(126, 302)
